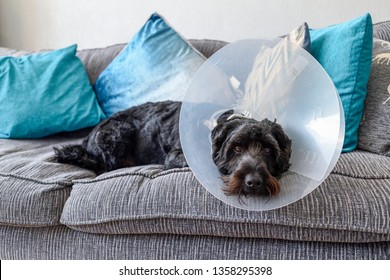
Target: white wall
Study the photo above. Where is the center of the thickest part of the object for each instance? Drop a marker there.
(37, 24)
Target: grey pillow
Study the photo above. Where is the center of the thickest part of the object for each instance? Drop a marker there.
(374, 131)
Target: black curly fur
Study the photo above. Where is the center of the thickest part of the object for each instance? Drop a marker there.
(250, 155)
(145, 134)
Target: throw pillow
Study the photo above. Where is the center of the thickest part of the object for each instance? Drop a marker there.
(374, 130)
(156, 65)
(345, 50)
(45, 93)
(301, 36)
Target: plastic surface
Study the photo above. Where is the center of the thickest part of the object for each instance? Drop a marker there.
(272, 79)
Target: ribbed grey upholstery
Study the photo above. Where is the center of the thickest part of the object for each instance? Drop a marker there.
(61, 242)
(346, 207)
(382, 30)
(33, 188)
(374, 128)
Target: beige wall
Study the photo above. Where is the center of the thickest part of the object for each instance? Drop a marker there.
(37, 24)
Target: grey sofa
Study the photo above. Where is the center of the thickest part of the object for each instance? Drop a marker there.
(56, 211)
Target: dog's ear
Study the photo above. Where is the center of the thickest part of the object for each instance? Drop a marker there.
(284, 143)
(219, 135)
(223, 118)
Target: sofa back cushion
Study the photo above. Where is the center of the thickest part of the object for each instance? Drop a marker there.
(382, 30)
(96, 60)
(374, 130)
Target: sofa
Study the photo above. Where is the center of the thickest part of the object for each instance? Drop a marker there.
(50, 210)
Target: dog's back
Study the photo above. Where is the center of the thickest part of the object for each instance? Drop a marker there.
(145, 134)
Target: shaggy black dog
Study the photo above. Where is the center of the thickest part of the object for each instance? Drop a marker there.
(249, 154)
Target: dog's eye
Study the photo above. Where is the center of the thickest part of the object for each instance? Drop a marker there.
(238, 149)
(266, 150)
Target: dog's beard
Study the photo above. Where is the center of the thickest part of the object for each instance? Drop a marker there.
(235, 185)
(249, 175)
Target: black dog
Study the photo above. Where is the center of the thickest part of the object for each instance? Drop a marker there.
(248, 153)
(145, 134)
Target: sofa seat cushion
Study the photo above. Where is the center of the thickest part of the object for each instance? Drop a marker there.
(352, 205)
(62, 243)
(364, 165)
(33, 188)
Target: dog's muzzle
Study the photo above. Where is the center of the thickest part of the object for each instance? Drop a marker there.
(251, 178)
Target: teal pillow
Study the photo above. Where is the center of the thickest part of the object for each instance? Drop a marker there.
(345, 51)
(157, 64)
(46, 93)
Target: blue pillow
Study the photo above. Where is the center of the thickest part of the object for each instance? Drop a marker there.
(345, 51)
(45, 93)
(156, 65)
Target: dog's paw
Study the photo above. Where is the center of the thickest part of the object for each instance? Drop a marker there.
(175, 159)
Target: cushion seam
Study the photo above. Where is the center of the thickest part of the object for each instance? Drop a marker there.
(125, 174)
(319, 226)
(362, 177)
(62, 183)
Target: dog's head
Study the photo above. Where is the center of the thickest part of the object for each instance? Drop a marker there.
(251, 155)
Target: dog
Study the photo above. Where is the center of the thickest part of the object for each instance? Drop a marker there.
(249, 154)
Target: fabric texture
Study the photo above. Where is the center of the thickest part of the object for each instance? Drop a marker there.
(382, 30)
(207, 47)
(149, 200)
(301, 36)
(33, 188)
(96, 60)
(61, 243)
(15, 53)
(345, 50)
(374, 130)
(46, 93)
(156, 65)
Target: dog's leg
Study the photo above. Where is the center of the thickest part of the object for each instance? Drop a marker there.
(175, 159)
(114, 145)
(76, 154)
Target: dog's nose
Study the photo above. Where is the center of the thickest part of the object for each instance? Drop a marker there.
(253, 180)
